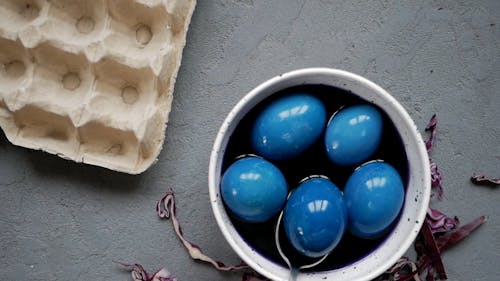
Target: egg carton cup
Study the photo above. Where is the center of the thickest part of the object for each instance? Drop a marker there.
(91, 81)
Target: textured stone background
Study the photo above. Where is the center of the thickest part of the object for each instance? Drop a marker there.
(66, 221)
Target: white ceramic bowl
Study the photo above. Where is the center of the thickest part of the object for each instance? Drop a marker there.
(417, 189)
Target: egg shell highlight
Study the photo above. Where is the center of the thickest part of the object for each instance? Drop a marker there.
(288, 126)
(253, 189)
(374, 196)
(353, 134)
(315, 217)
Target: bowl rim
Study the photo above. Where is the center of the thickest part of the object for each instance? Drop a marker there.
(263, 91)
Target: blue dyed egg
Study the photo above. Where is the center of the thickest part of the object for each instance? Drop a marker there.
(315, 217)
(374, 195)
(353, 134)
(253, 189)
(288, 126)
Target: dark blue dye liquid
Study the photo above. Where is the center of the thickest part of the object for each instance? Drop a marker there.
(260, 236)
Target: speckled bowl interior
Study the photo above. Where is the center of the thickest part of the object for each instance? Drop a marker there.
(417, 190)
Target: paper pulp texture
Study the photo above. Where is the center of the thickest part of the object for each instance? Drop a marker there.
(91, 81)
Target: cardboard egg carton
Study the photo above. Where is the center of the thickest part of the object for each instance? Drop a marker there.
(91, 81)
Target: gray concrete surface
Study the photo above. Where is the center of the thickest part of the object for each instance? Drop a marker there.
(66, 221)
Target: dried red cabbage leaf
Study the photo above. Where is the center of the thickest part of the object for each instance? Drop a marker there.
(404, 269)
(432, 127)
(440, 222)
(166, 209)
(407, 270)
(484, 180)
(140, 274)
(450, 239)
(446, 241)
(438, 233)
(432, 251)
(436, 176)
(436, 179)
